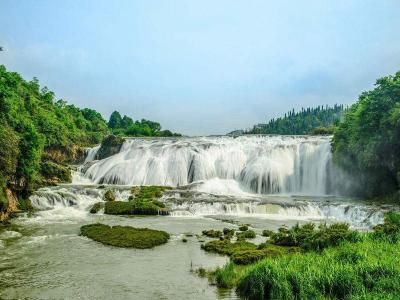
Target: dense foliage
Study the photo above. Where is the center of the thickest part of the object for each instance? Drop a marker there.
(38, 132)
(127, 127)
(367, 142)
(319, 120)
(32, 122)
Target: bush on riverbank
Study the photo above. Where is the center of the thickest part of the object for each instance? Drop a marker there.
(125, 236)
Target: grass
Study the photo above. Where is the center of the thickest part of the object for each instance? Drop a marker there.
(212, 233)
(125, 236)
(144, 201)
(349, 270)
(248, 234)
(133, 208)
(305, 262)
(226, 247)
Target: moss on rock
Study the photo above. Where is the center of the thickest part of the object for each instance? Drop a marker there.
(212, 233)
(96, 207)
(133, 208)
(109, 195)
(125, 236)
(111, 145)
(248, 234)
(55, 173)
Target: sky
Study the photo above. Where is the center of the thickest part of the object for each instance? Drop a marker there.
(202, 67)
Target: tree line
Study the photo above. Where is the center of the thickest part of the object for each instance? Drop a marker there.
(37, 131)
(318, 120)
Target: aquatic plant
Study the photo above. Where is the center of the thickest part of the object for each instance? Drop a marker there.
(212, 233)
(249, 234)
(125, 236)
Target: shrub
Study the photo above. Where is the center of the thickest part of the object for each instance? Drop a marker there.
(226, 247)
(228, 233)
(307, 237)
(249, 234)
(245, 257)
(390, 229)
(212, 233)
(125, 236)
(267, 233)
(243, 228)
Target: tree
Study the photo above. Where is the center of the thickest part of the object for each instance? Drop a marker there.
(115, 120)
(367, 142)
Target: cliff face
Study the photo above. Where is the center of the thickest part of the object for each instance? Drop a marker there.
(11, 207)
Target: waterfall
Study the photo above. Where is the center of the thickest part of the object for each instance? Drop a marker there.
(91, 153)
(258, 164)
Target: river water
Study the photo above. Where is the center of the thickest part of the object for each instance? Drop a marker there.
(219, 182)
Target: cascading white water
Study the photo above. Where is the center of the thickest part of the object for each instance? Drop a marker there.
(259, 164)
(91, 153)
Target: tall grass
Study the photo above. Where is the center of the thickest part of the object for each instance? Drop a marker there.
(349, 271)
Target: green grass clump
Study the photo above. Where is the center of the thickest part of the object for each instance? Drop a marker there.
(96, 207)
(228, 233)
(243, 228)
(351, 270)
(228, 276)
(125, 236)
(249, 256)
(267, 233)
(212, 233)
(249, 234)
(133, 208)
(226, 247)
(149, 192)
(311, 238)
(390, 229)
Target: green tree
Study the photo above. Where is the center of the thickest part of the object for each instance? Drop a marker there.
(367, 142)
(115, 120)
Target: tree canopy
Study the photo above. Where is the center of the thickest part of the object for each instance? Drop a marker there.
(367, 142)
(318, 120)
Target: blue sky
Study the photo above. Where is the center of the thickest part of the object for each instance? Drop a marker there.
(202, 67)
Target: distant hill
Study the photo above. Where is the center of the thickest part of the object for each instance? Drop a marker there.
(318, 120)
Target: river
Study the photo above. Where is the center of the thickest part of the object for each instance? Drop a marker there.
(264, 181)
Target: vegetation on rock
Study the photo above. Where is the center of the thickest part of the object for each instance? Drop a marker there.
(125, 236)
(248, 234)
(212, 233)
(96, 207)
(366, 144)
(109, 195)
(144, 201)
(109, 146)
